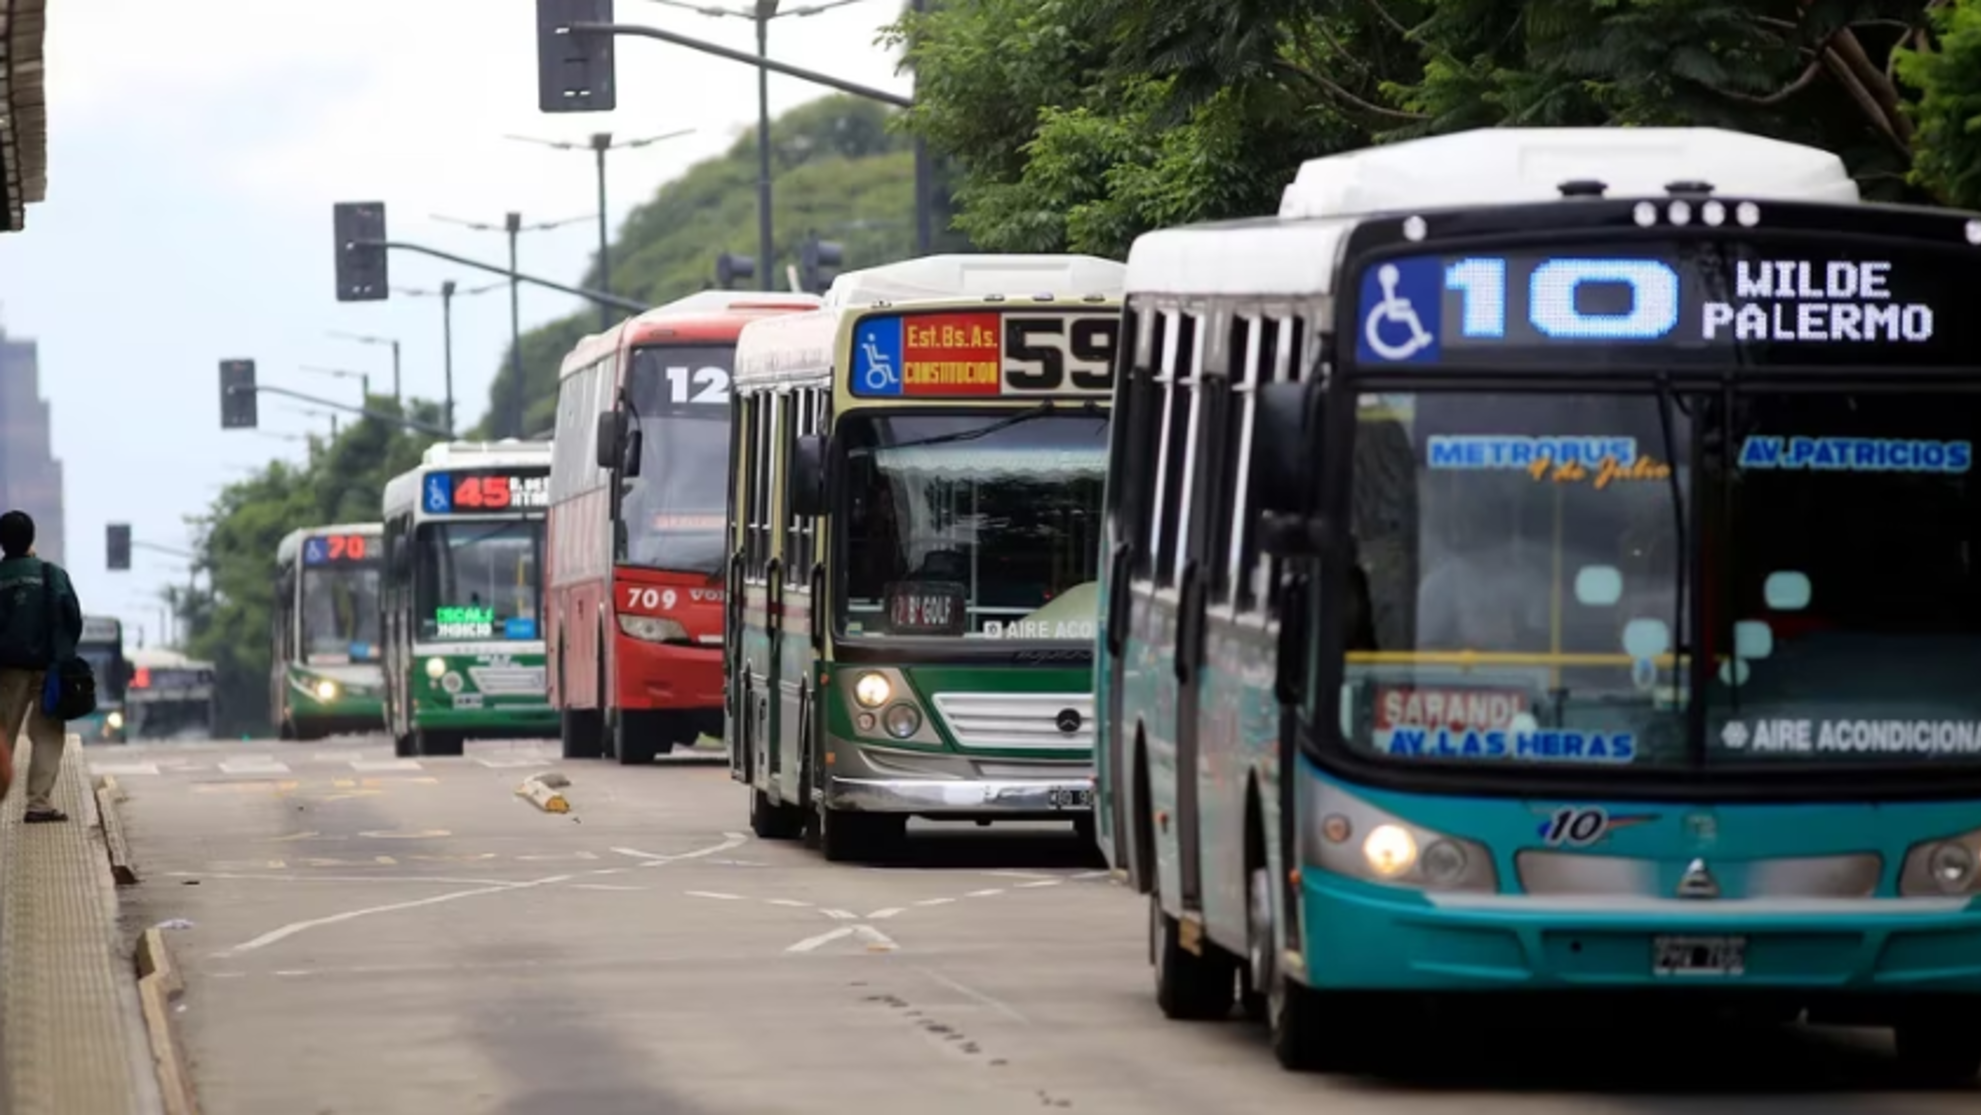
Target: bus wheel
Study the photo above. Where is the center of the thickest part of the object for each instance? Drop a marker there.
(1939, 1050)
(1261, 965)
(846, 836)
(636, 736)
(437, 743)
(578, 730)
(402, 746)
(774, 820)
(1189, 986)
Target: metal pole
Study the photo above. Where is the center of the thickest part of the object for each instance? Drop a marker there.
(601, 143)
(515, 226)
(396, 396)
(364, 385)
(924, 187)
(765, 249)
(447, 349)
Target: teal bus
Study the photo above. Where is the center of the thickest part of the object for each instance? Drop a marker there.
(914, 515)
(1552, 588)
(102, 646)
(463, 597)
(323, 676)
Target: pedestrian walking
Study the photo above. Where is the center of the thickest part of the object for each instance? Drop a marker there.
(41, 622)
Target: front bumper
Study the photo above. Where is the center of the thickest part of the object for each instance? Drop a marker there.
(1007, 799)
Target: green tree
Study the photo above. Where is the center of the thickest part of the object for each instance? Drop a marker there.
(1078, 124)
(228, 621)
(839, 170)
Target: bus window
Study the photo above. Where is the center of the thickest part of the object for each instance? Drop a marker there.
(675, 508)
(340, 614)
(478, 581)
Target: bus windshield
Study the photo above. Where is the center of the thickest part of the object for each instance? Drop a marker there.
(479, 581)
(340, 614)
(103, 659)
(676, 508)
(1516, 594)
(980, 525)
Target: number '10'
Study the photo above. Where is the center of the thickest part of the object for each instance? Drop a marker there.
(1551, 290)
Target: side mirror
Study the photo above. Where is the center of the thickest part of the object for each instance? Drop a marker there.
(635, 439)
(611, 438)
(1284, 436)
(807, 484)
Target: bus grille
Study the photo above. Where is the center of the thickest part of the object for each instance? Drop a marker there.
(508, 681)
(1017, 720)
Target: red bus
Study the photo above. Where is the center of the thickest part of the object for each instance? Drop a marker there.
(639, 487)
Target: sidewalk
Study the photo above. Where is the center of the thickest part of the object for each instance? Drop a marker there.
(72, 1036)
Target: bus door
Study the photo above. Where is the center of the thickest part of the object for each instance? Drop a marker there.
(778, 426)
(1201, 402)
(1130, 441)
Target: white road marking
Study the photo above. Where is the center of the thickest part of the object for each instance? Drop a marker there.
(997, 1005)
(841, 915)
(790, 902)
(258, 764)
(655, 859)
(1021, 874)
(714, 894)
(123, 768)
(810, 943)
(876, 940)
(336, 756)
(877, 915)
(386, 764)
(447, 880)
(510, 762)
(934, 902)
(1093, 874)
(602, 886)
(984, 893)
(283, 933)
(1041, 883)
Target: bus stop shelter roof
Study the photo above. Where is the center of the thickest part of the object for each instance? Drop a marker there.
(23, 111)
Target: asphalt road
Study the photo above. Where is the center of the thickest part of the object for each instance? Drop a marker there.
(364, 935)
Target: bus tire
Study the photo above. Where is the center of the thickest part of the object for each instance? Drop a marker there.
(1941, 1051)
(427, 742)
(578, 732)
(846, 836)
(402, 746)
(1189, 986)
(636, 736)
(774, 820)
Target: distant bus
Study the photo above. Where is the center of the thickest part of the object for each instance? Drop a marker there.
(102, 646)
(634, 609)
(170, 696)
(323, 666)
(463, 597)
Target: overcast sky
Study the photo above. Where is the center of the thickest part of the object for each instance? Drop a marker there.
(195, 150)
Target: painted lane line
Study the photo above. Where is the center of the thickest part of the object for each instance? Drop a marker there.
(386, 764)
(810, 943)
(602, 886)
(509, 763)
(713, 894)
(876, 940)
(984, 893)
(253, 766)
(878, 915)
(282, 933)
(840, 915)
(995, 1004)
(655, 859)
(1040, 883)
(933, 902)
(1021, 875)
(444, 880)
(792, 903)
(336, 756)
(123, 768)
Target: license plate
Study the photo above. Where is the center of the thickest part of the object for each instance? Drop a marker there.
(1070, 799)
(467, 700)
(1698, 956)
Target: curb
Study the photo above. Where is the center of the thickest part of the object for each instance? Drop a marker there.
(112, 823)
(543, 791)
(159, 986)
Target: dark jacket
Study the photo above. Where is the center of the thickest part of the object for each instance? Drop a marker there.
(28, 640)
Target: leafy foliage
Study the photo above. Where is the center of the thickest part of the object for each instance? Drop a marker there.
(1078, 124)
(838, 170)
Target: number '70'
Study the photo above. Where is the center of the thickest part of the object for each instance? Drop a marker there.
(1552, 290)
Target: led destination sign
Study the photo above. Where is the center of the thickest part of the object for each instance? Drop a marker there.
(338, 549)
(985, 354)
(1718, 303)
(478, 491)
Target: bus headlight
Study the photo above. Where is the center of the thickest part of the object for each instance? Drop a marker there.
(872, 690)
(115, 720)
(1348, 836)
(436, 667)
(653, 629)
(1947, 866)
(326, 690)
(902, 720)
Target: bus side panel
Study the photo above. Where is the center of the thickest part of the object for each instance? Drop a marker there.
(1149, 705)
(1238, 726)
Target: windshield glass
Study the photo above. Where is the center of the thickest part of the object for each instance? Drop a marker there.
(175, 719)
(676, 507)
(479, 581)
(102, 659)
(981, 525)
(340, 614)
(1515, 592)
(1850, 582)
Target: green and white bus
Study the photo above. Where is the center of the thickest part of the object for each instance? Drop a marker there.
(102, 646)
(323, 673)
(171, 696)
(914, 512)
(463, 597)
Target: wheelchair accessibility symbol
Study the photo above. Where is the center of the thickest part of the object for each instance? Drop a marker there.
(877, 359)
(1397, 298)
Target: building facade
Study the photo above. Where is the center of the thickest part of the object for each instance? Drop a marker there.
(30, 476)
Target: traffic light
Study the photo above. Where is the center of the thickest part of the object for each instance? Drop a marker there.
(814, 258)
(574, 72)
(237, 395)
(729, 268)
(117, 542)
(360, 229)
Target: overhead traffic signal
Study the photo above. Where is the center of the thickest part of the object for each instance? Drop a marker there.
(117, 544)
(815, 257)
(237, 395)
(729, 268)
(360, 257)
(574, 72)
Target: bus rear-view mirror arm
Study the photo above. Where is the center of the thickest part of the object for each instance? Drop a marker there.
(611, 450)
(1286, 455)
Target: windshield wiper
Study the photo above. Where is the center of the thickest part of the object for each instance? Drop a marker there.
(1045, 409)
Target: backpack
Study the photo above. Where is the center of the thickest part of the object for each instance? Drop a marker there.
(69, 690)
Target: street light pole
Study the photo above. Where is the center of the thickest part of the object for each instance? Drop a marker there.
(397, 395)
(924, 201)
(766, 11)
(448, 289)
(514, 223)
